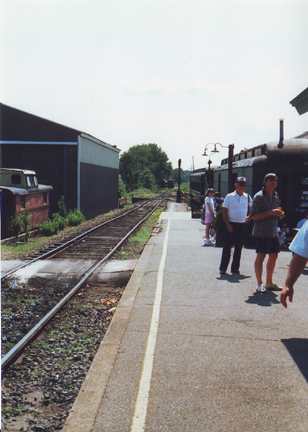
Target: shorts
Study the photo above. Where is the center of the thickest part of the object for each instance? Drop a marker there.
(267, 245)
(208, 218)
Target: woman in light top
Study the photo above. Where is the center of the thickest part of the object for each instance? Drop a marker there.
(209, 215)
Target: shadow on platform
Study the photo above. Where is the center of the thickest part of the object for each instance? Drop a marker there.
(233, 278)
(298, 349)
(263, 299)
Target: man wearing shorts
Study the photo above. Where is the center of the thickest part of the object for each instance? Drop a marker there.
(265, 213)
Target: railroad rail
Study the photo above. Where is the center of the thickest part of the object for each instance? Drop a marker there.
(97, 244)
(53, 251)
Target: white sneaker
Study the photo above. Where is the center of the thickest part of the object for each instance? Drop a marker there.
(261, 288)
(208, 243)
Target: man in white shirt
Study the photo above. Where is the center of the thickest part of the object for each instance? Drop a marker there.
(299, 246)
(234, 212)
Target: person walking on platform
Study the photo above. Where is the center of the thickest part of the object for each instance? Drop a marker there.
(209, 215)
(235, 209)
(265, 213)
(218, 201)
(302, 221)
(299, 247)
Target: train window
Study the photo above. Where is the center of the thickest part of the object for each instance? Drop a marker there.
(35, 180)
(31, 181)
(16, 179)
(258, 152)
(45, 197)
(249, 154)
(242, 156)
(22, 201)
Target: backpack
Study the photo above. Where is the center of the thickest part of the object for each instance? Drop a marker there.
(218, 222)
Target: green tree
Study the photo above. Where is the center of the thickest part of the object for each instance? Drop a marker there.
(147, 179)
(144, 164)
(122, 188)
(185, 175)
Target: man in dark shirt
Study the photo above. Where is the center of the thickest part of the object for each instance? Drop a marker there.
(265, 213)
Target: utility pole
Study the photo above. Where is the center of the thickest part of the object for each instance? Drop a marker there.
(230, 159)
(178, 195)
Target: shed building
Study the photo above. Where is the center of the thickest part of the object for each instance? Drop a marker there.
(80, 167)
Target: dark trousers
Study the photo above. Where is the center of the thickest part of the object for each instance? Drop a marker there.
(235, 239)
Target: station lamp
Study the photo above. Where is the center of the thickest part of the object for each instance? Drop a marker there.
(230, 148)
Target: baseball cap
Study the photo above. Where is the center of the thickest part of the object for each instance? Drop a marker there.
(240, 179)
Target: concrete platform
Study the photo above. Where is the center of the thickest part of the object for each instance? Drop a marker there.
(188, 350)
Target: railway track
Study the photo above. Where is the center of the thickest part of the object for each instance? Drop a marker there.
(117, 226)
(22, 323)
(40, 384)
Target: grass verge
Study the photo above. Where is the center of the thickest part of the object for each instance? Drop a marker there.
(133, 247)
(14, 250)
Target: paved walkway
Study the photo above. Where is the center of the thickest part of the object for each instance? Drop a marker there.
(188, 350)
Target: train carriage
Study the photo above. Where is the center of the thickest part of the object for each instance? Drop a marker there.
(287, 158)
(20, 191)
(198, 187)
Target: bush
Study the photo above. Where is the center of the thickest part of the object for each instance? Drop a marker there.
(16, 225)
(185, 187)
(60, 220)
(75, 218)
(26, 221)
(140, 192)
(62, 208)
(49, 228)
(20, 223)
(122, 188)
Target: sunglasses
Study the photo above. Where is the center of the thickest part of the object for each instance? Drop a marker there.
(242, 184)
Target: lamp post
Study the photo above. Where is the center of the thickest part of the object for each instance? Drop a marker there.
(178, 195)
(230, 148)
(208, 174)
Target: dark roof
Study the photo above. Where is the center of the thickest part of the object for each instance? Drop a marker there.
(17, 125)
(300, 102)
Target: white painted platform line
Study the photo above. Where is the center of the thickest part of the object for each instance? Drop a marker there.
(141, 406)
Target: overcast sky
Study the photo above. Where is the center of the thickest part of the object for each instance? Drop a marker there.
(178, 73)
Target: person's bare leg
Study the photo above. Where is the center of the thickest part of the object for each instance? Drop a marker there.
(259, 267)
(207, 231)
(270, 267)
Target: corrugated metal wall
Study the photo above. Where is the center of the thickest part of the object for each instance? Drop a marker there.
(99, 189)
(99, 176)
